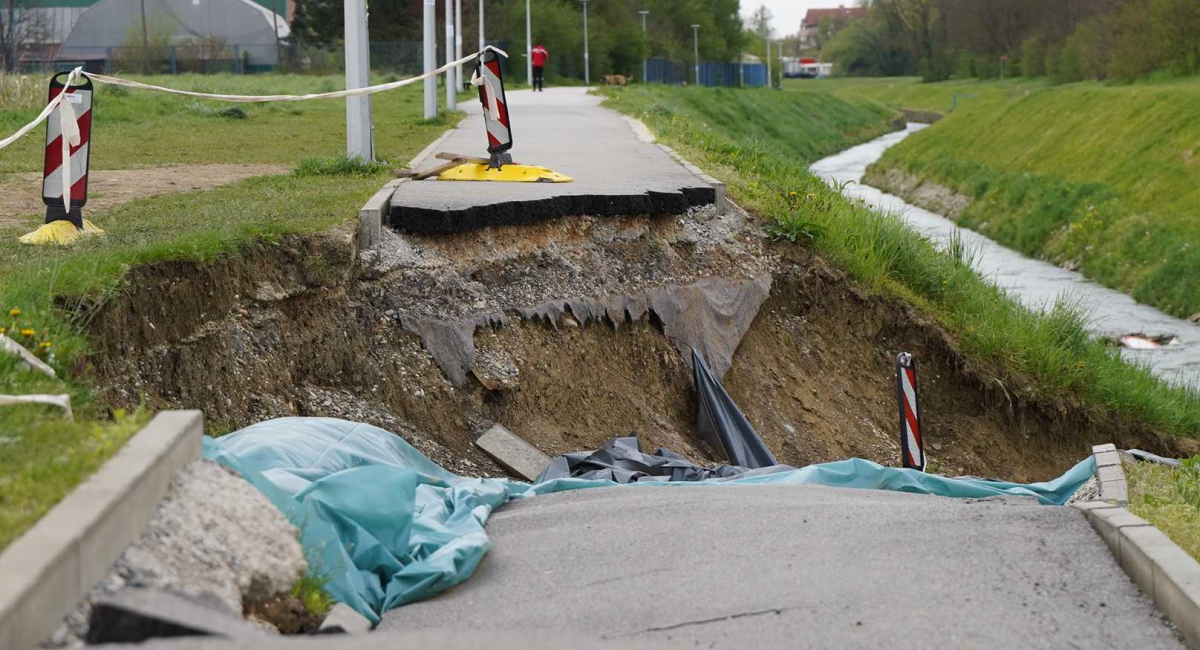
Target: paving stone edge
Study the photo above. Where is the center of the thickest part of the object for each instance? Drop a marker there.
(1164, 572)
(50, 567)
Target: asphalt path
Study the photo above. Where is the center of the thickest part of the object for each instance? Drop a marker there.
(615, 171)
(796, 566)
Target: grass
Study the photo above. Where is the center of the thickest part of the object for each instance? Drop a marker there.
(47, 455)
(1169, 498)
(310, 591)
(1045, 355)
(1106, 178)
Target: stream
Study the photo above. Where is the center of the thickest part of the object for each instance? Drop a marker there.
(1035, 283)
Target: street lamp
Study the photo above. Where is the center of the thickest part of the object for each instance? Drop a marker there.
(696, 48)
(586, 78)
(645, 59)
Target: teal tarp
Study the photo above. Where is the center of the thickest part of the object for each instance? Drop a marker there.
(385, 526)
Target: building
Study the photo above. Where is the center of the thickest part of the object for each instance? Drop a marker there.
(835, 19)
(44, 25)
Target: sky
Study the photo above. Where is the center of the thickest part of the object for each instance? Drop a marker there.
(789, 12)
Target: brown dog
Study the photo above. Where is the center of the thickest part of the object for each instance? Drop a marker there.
(616, 79)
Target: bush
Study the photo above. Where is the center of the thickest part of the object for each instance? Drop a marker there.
(1033, 57)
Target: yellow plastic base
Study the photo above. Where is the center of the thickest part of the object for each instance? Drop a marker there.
(60, 232)
(508, 174)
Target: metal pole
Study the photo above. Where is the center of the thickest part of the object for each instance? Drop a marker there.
(768, 63)
(696, 48)
(586, 76)
(358, 69)
(451, 93)
(528, 46)
(482, 40)
(645, 59)
(275, 25)
(429, 23)
(458, 78)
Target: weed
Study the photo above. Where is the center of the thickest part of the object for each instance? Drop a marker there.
(310, 591)
(340, 166)
(1169, 498)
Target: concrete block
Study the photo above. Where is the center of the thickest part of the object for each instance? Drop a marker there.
(136, 615)
(1110, 473)
(1107, 458)
(1177, 591)
(370, 216)
(1108, 523)
(512, 453)
(1138, 544)
(1098, 449)
(55, 562)
(1115, 491)
(344, 620)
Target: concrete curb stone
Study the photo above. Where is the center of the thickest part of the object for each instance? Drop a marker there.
(1163, 571)
(50, 567)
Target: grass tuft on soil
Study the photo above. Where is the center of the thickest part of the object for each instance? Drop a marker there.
(1169, 498)
(60, 289)
(760, 142)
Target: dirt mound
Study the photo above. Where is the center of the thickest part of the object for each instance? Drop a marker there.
(311, 327)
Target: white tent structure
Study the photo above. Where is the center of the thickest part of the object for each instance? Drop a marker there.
(202, 29)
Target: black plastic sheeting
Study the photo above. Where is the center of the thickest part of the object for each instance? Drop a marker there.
(719, 422)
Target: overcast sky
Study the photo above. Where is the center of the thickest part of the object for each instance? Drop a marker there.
(789, 12)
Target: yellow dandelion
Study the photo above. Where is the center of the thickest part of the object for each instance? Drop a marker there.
(3, 330)
(810, 196)
(28, 331)
(45, 345)
(14, 312)
(792, 193)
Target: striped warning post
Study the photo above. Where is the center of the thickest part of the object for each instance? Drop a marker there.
(912, 449)
(79, 101)
(495, 109)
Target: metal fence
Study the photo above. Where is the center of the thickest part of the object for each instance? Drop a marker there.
(712, 73)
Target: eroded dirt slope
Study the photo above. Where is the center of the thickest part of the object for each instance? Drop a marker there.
(568, 333)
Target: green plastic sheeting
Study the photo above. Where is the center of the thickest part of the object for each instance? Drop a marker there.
(385, 526)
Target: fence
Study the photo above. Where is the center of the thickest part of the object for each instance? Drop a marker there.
(402, 58)
(712, 73)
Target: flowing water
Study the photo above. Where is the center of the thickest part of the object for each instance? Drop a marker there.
(1037, 284)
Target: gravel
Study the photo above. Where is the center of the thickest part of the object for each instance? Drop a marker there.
(215, 537)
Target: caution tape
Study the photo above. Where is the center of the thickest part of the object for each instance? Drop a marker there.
(68, 117)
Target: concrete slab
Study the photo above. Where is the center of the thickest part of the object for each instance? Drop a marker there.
(135, 615)
(797, 566)
(565, 129)
(514, 454)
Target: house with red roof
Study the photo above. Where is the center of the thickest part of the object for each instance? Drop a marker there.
(837, 17)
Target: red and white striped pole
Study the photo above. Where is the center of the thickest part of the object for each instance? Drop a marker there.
(78, 100)
(912, 449)
(495, 108)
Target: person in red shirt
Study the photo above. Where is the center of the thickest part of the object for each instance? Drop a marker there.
(539, 55)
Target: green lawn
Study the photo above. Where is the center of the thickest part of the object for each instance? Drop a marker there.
(1105, 178)
(1169, 498)
(1052, 356)
(43, 456)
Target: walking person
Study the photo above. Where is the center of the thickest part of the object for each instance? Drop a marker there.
(539, 55)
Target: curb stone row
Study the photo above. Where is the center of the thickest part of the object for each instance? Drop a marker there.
(1163, 571)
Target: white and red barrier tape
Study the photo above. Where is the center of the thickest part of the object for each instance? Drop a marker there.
(69, 126)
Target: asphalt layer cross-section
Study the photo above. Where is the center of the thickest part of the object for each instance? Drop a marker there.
(797, 567)
(566, 130)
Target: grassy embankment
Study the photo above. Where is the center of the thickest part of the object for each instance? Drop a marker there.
(1102, 178)
(760, 143)
(1169, 498)
(41, 455)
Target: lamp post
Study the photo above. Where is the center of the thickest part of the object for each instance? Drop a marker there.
(586, 74)
(646, 58)
(482, 40)
(768, 62)
(429, 22)
(458, 44)
(451, 93)
(696, 50)
(359, 142)
(528, 46)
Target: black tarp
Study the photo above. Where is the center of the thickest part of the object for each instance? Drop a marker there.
(719, 422)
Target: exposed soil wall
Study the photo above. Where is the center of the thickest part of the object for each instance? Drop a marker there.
(310, 327)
